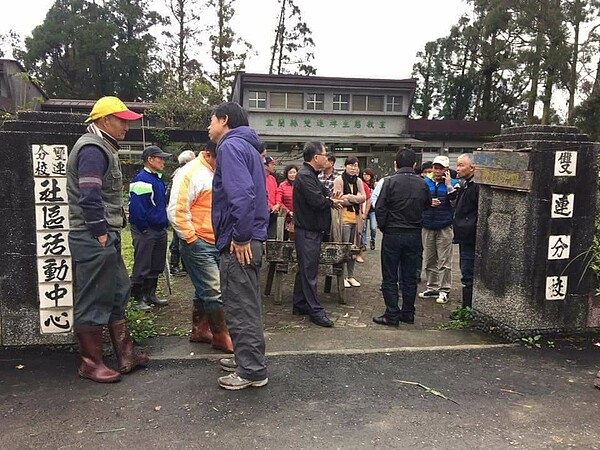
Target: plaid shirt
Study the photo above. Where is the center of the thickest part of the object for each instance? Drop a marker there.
(327, 181)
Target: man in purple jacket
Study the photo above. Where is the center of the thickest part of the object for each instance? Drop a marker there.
(240, 217)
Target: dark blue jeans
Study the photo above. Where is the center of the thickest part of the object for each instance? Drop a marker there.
(399, 254)
(467, 263)
(202, 262)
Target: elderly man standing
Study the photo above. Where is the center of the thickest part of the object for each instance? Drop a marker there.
(465, 223)
(184, 157)
(148, 219)
(437, 232)
(240, 217)
(189, 213)
(96, 216)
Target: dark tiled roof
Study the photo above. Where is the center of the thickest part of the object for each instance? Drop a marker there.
(303, 80)
(64, 103)
(424, 126)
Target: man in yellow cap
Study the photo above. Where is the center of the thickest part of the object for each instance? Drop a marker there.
(96, 216)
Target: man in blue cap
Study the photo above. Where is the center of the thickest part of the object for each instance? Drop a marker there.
(148, 219)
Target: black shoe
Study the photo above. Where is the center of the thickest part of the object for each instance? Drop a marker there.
(407, 318)
(382, 320)
(322, 321)
(177, 272)
(299, 312)
(373, 245)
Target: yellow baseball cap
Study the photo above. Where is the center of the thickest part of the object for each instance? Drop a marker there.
(111, 105)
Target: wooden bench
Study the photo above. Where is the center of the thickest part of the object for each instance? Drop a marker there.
(282, 254)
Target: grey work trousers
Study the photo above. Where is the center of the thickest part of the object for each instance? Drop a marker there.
(240, 292)
(101, 281)
(437, 256)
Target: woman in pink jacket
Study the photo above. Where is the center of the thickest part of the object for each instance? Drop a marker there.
(284, 198)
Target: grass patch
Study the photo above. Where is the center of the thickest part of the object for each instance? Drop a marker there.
(142, 324)
(460, 319)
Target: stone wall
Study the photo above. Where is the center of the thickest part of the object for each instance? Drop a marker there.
(516, 254)
(19, 304)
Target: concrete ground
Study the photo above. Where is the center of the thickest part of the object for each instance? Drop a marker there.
(348, 387)
(497, 398)
(362, 304)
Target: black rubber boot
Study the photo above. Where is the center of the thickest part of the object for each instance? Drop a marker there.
(139, 297)
(150, 289)
(467, 296)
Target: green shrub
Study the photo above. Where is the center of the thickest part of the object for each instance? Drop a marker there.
(142, 324)
(460, 318)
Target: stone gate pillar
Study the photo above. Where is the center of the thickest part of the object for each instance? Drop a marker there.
(35, 286)
(536, 217)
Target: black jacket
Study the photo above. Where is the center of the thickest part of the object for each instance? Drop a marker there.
(404, 196)
(465, 213)
(312, 208)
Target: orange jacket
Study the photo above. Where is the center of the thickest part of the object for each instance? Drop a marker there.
(190, 201)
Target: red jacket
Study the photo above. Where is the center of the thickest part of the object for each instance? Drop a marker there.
(285, 195)
(271, 183)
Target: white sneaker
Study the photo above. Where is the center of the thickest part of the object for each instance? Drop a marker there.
(353, 282)
(228, 364)
(347, 283)
(429, 294)
(442, 298)
(234, 382)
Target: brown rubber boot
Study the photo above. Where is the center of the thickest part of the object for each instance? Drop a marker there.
(221, 339)
(200, 328)
(90, 348)
(127, 358)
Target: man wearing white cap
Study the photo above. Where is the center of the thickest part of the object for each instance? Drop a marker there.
(96, 216)
(437, 232)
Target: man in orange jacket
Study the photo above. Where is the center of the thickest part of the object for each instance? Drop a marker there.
(189, 212)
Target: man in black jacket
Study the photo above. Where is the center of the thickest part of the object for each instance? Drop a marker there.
(312, 217)
(399, 212)
(465, 223)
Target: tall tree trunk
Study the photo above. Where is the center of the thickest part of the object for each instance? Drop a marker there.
(547, 97)
(573, 74)
(281, 36)
(279, 31)
(221, 56)
(596, 88)
(181, 64)
(488, 70)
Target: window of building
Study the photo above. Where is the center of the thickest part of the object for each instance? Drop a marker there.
(257, 99)
(341, 102)
(367, 102)
(394, 103)
(285, 100)
(314, 101)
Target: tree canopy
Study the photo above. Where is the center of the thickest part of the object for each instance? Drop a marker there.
(508, 61)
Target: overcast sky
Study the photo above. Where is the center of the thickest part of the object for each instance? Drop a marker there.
(376, 38)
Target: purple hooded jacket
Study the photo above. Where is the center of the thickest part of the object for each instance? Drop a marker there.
(239, 198)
